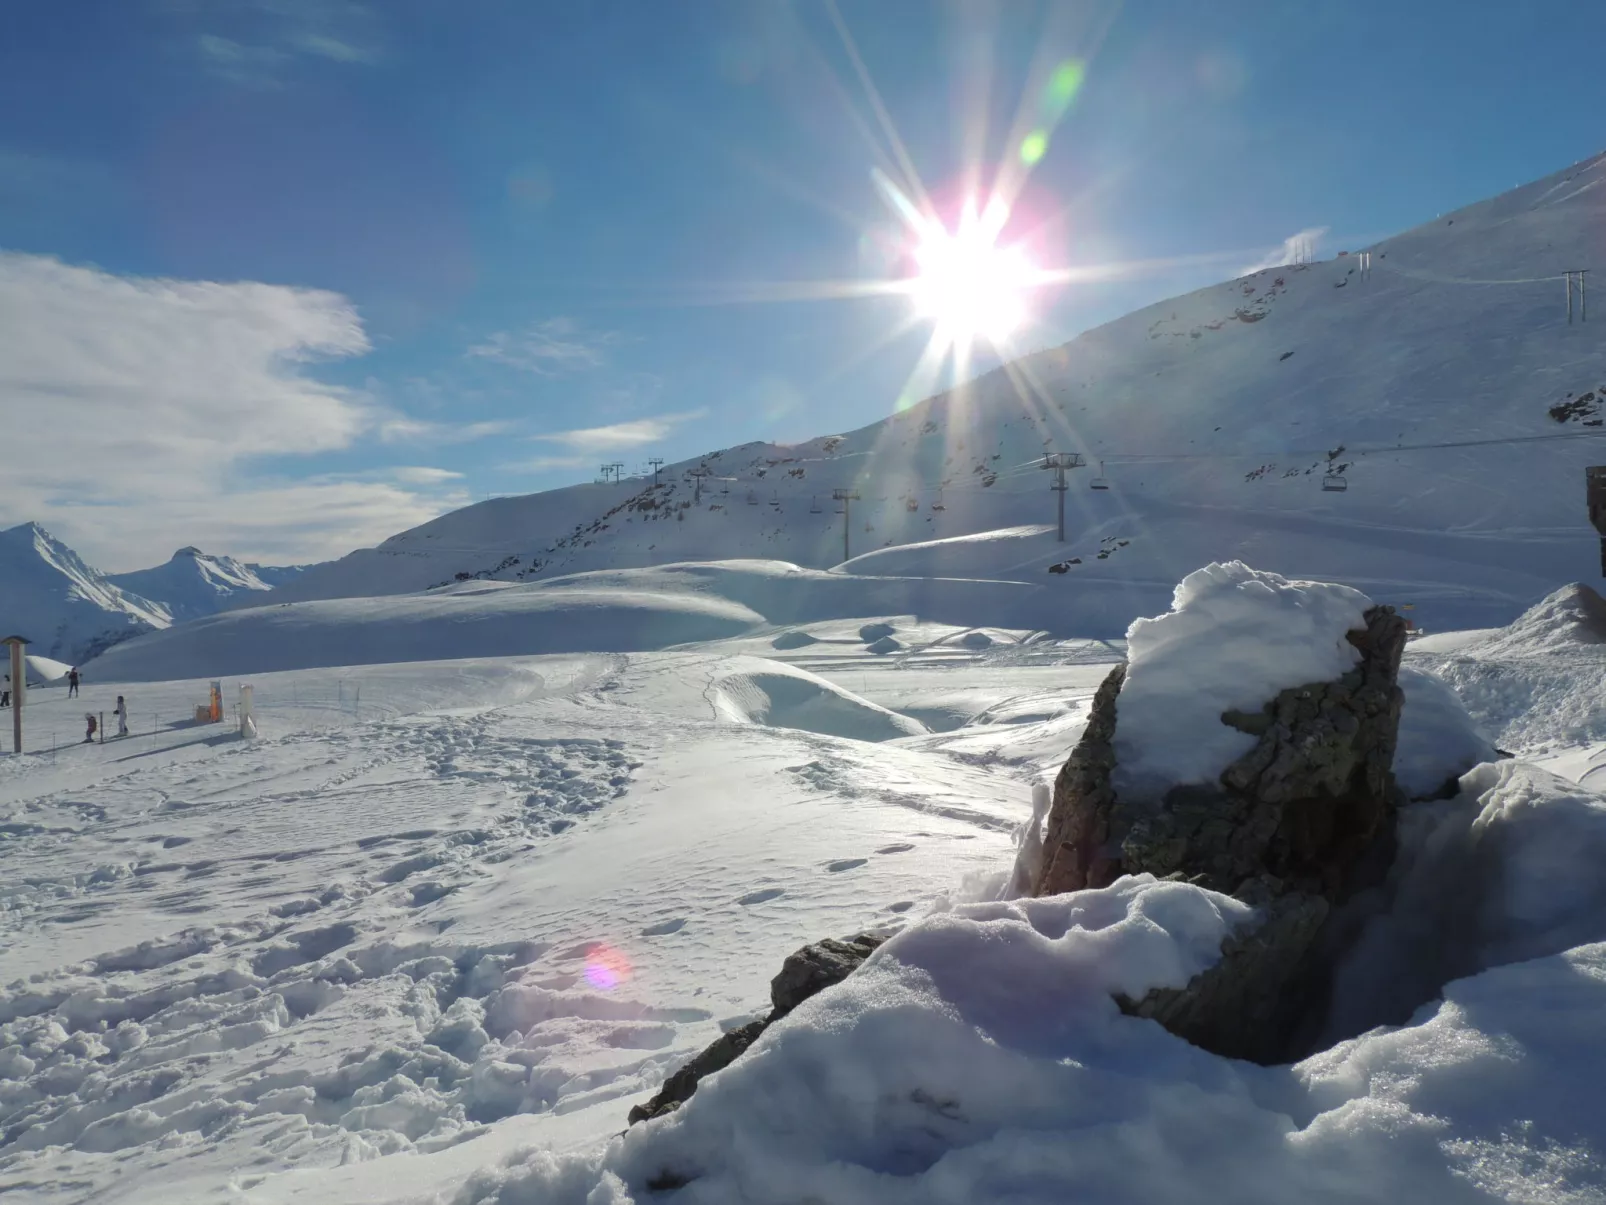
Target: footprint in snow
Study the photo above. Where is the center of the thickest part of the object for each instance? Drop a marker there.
(663, 927)
(901, 906)
(902, 847)
(761, 897)
(845, 864)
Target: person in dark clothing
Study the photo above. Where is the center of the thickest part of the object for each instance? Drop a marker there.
(5, 692)
(89, 732)
(72, 682)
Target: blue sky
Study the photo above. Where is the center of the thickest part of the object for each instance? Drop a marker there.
(329, 267)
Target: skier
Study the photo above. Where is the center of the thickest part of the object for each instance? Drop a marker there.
(72, 682)
(122, 717)
(5, 692)
(89, 731)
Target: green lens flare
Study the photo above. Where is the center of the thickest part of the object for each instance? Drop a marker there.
(1064, 84)
(1033, 147)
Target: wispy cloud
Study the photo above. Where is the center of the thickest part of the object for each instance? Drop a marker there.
(631, 434)
(419, 474)
(257, 43)
(550, 348)
(137, 413)
(401, 428)
(1308, 239)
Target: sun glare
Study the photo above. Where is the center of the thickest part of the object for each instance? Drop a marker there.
(968, 285)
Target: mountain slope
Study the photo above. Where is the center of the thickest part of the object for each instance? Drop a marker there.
(1445, 389)
(194, 583)
(67, 609)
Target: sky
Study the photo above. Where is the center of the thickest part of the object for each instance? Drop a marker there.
(280, 278)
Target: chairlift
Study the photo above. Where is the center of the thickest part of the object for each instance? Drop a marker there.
(1101, 482)
(814, 505)
(1335, 483)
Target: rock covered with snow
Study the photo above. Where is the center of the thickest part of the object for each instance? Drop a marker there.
(1233, 639)
(1298, 816)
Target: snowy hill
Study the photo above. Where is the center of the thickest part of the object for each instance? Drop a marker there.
(1445, 389)
(67, 609)
(195, 583)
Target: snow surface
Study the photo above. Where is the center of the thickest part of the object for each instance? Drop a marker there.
(1234, 638)
(431, 935)
(1439, 740)
(979, 1056)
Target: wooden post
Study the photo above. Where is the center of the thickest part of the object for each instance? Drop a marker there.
(19, 687)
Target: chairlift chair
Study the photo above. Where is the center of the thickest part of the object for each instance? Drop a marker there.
(1335, 483)
(1101, 482)
(814, 505)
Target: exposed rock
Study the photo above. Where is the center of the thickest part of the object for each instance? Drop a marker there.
(1294, 826)
(1246, 1005)
(805, 973)
(815, 968)
(678, 1088)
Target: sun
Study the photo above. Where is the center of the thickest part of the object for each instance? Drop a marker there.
(968, 285)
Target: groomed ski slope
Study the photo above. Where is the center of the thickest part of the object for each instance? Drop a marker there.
(446, 911)
(1445, 388)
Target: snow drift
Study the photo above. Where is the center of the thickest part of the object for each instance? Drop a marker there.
(486, 622)
(767, 692)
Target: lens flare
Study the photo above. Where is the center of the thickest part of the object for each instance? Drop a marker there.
(606, 967)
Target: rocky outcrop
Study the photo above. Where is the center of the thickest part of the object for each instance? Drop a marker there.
(1294, 826)
(805, 973)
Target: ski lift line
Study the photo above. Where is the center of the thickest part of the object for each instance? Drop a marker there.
(1430, 278)
(1145, 458)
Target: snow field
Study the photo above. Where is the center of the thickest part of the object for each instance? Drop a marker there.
(366, 937)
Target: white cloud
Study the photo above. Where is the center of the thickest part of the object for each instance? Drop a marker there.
(401, 428)
(418, 474)
(548, 349)
(1306, 240)
(630, 434)
(134, 412)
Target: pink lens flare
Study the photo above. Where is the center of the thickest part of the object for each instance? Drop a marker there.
(606, 967)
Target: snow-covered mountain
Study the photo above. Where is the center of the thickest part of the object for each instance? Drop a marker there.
(195, 583)
(1442, 386)
(69, 610)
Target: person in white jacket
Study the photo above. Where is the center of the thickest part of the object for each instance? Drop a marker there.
(122, 717)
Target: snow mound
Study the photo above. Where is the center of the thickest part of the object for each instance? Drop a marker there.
(887, 644)
(1439, 741)
(1574, 615)
(871, 632)
(514, 621)
(999, 552)
(976, 639)
(794, 639)
(43, 670)
(1505, 872)
(1234, 638)
(979, 1056)
(781, 696)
